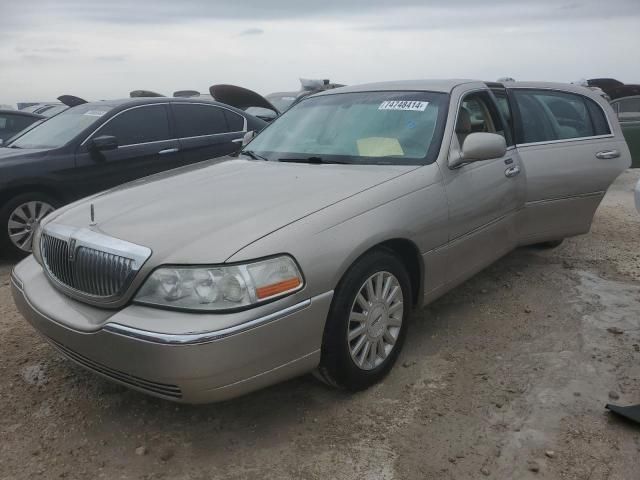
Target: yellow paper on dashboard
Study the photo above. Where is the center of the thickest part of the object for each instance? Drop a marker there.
(379, 147)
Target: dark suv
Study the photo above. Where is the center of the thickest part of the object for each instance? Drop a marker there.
(97, 145)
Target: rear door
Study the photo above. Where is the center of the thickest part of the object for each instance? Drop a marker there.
(207, 131)
(570, 153)
(146, 146)
(483, 196)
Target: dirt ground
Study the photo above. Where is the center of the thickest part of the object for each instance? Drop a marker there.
(504, 378)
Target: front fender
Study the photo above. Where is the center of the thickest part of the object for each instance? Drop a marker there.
(327, 243)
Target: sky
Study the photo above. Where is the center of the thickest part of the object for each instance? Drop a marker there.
(104, 49)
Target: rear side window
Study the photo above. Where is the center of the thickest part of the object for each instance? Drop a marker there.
(235, 121)
(600, 124)
(138, 125)
(547, 115)
(198, 120)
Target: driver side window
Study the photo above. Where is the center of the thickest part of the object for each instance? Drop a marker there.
(477, 114)
(138, 125)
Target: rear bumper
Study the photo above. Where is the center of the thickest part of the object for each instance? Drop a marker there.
(190, 367)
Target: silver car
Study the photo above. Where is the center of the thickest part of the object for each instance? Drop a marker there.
(309, 251)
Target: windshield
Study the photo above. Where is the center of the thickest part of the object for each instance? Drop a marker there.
(62, 128)
(368, 127)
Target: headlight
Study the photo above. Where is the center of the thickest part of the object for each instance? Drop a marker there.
(222, 287)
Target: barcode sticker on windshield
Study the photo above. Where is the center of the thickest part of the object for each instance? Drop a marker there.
(95, 113)
(412, 105)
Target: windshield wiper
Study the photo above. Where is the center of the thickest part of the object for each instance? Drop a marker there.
(253, 155)
(315, 160)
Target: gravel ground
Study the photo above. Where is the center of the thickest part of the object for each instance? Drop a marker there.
(505, 378)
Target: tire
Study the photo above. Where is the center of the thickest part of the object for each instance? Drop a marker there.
(35, 207)
(550, 244)
(340, 364)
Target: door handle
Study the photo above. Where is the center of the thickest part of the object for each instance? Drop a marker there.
(608, 154)
(512, 171)
(167, 151)
(237, 140)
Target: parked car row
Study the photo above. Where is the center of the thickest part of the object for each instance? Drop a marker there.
(97, 145)
(307, 251)
(625, 100)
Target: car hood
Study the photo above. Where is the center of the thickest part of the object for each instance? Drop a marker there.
(240, 97)
(208, 212)
(9, 153)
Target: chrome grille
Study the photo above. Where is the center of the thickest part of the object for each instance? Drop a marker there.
(91, 271)
(89, 264)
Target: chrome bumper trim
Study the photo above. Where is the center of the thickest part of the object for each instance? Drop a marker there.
(203, 337)
(16, 281)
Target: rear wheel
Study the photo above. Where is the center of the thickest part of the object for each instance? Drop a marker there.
(18, 218)
(367, 322)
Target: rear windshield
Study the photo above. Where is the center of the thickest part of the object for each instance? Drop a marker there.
(62, 128)
(363, 127)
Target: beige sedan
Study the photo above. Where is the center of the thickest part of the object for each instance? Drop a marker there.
(308, 251)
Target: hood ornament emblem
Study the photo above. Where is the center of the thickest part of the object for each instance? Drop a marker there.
(72, 250)
(93, 217)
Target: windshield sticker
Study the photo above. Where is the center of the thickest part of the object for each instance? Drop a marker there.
(95, 113)
(411, 105)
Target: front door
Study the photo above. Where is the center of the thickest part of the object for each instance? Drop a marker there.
(483, 196)
(145, 146)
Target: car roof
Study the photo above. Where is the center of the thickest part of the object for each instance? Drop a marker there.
(447, 85)
(132, 102)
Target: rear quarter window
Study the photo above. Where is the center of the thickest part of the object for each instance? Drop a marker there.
(235, 121)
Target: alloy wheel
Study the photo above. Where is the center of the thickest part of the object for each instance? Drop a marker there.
(375, 320)
(23, 221)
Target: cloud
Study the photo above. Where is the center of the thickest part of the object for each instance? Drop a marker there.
(111, 58)
(252, 31)
(38, 59)
(170, 11)
(104, 49)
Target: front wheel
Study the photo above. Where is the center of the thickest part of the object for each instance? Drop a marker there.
(18, 218)
(367, 322)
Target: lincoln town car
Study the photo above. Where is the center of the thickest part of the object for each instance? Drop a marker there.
(308, 250)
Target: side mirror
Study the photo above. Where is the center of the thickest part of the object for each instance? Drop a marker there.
(103, 142)
(480, 146)
(248, 137)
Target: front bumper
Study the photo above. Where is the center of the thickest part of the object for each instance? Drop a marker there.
(189, 367)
